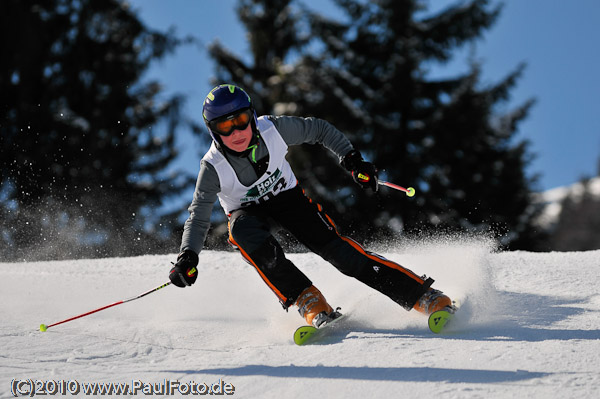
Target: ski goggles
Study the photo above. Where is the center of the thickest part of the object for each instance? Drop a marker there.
(225, 126)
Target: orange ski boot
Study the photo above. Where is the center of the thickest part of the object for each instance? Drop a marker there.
(313, 307)
(432, 301)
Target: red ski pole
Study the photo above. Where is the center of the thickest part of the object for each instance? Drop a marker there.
(409, 191)
(44, 327)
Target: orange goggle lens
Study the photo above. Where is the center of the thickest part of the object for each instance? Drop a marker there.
(225, 127)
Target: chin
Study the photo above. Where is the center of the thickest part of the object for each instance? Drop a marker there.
(240, 148)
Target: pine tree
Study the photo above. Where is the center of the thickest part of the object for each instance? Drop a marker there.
(84, 141)
(274, 34)
(368, 75)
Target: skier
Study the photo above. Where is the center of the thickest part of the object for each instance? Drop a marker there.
(246, 169)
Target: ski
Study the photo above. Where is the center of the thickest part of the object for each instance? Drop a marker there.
(310, 334)
(438, 320)
(307, 334)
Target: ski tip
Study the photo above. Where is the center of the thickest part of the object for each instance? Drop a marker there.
(438, 320)
(303, 334)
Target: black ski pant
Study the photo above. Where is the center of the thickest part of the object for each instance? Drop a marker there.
(250, 230)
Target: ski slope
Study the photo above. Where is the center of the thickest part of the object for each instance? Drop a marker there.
(529, 326)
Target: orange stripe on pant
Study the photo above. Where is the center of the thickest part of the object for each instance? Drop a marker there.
(371, 256)
(281, 297)
(383, 261)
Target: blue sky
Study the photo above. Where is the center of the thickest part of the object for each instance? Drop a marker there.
(558, 40)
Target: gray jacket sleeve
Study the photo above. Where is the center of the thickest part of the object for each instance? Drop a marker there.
(196, 226)
(296, 130)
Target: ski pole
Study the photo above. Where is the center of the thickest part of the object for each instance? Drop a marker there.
(410, 192)
(44, 327)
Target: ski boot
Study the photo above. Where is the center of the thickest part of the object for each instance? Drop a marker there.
(314, 308)
(432, 301)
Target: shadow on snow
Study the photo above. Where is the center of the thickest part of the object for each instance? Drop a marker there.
(414, 374)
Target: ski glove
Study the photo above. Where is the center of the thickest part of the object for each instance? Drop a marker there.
(364, 173)
(184, 272)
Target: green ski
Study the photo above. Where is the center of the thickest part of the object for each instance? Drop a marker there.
(307, 334)
(439, 319)
(303, 334)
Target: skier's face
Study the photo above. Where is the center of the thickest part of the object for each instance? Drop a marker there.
(238, 140)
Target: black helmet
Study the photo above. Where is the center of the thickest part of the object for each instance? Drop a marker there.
(223, 101)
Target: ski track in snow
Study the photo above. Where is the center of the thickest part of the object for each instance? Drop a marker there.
(529, 326)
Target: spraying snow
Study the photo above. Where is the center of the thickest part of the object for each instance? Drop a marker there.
(529, 326)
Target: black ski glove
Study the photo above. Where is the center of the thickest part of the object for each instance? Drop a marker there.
(363, 172)
(184, 272)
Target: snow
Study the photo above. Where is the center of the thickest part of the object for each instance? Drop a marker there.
(552, 200)
(529, 326)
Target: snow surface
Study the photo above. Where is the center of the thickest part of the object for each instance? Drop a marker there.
(529, 327)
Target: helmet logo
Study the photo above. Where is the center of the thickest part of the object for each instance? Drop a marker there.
(211, 96)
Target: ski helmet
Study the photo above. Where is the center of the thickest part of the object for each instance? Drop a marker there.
(225, 100)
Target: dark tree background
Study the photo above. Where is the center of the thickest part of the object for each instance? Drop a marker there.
(86, 140)
(84, 143)
(452, 139)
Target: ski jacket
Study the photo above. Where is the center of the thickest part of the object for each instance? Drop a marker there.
(236, 181)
